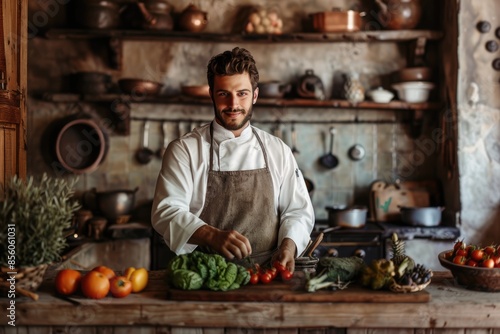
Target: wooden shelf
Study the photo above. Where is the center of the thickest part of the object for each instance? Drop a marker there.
(267, 102)
(301, 37)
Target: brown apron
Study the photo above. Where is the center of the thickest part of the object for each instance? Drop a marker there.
(243, 201)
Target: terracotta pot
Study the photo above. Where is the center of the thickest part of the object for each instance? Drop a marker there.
(399, 14)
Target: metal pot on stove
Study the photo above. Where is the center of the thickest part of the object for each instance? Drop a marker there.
(349, 217)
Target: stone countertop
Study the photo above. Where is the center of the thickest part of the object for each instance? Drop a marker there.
(450, 306)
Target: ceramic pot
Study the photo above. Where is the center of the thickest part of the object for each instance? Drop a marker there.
(310, 86)
(354, 91)
(97, 14)
(193, 19)
(399, 14)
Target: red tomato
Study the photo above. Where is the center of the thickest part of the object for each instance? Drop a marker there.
(254, 279)
(496, 259)
(68, 281)
(489, 250)
(286, 275)
(461, 252)
(448, 255)
(471, 263)
(279, 266)
(273, 272)
(106, 271)
(120, 286)
(265, 278)
(477, 254)
(95, 285)
(459, 259)
(488, 263)
(458, 245)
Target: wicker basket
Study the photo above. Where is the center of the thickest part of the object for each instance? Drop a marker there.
(395, 287)
(28, 278)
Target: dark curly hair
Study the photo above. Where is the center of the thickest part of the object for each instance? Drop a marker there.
(236, 61)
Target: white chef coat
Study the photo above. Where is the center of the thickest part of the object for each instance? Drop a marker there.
(182, 183)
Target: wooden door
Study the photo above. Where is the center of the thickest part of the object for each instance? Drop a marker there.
(13, 89)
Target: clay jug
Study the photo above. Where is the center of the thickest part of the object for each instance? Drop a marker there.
(399, 14)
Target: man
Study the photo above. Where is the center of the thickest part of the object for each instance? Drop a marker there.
(228, 187)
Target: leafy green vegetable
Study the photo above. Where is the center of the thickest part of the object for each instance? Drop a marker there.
(335, 271)
(186, 279)
(213, 270)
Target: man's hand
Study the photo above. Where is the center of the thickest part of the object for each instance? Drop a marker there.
(286, 254)
(230, 244)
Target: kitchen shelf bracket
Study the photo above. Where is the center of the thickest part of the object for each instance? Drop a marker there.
(115, 53)
(417, 50)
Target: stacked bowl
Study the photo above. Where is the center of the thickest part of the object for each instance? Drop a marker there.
(413, 84)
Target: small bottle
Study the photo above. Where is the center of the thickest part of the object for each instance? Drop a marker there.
(354, 92)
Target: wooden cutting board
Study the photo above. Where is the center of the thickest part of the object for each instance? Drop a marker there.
(293, 291)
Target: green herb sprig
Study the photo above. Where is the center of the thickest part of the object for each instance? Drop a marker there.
(41, 211)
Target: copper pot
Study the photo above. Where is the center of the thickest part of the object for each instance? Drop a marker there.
(139, 87)
(193, 19)
(337, 21)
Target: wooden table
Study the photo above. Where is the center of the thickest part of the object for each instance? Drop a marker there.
(451, 309)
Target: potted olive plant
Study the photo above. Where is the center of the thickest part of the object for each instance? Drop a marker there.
(33, 217)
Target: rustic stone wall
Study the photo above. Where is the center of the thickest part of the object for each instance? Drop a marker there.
(479, 123)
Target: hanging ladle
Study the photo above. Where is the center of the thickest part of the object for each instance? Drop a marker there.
(161, 150)
(145, 154)
(294, 140)
(329, 160)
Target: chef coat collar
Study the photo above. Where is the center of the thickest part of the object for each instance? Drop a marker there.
(221, 134)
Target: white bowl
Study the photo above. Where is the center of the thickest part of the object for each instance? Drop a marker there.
(380, 95)
(413, 91)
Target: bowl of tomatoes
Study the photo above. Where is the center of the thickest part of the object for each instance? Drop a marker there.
(474, 267)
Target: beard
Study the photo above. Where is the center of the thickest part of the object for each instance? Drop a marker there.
(233, 124)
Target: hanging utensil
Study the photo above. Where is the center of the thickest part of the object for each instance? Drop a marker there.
(356, 152)
(145, 154)
(161, 150)
(329, 160)
(294, 140)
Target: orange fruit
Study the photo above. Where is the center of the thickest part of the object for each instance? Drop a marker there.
(106, 271)
(67, 281)
(95, 285)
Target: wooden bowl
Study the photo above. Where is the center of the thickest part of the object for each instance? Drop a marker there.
(473, 278)
(414, 74)
(196, 91)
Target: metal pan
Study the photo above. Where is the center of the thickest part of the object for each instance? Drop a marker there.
(353, 217)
